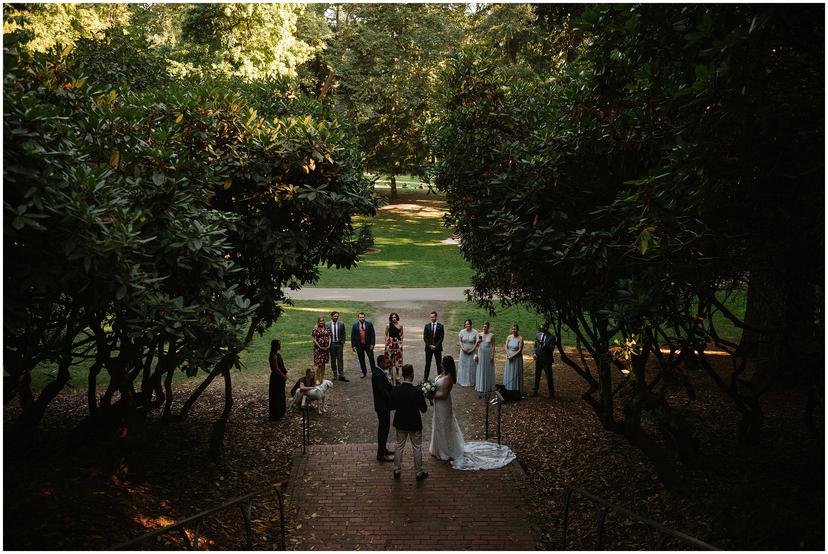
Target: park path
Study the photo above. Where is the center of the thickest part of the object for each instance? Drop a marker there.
(341, 498)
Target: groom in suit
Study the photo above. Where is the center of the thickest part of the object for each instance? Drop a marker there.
(433, 338)
(408, 401)
(544, 347)
(363, 340)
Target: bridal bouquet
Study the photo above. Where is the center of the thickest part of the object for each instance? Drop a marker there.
(429, 390)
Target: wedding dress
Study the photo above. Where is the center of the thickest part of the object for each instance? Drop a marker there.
(447, 440)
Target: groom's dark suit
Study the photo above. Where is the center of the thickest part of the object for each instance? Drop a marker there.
(408, 401)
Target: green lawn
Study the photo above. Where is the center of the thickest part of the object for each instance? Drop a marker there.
(409, 252)
(529, 321)
(501, 323)
(404, 182)
(293, 329)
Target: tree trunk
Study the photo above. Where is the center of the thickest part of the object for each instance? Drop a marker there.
(604, 364)
(326, 84)
(219, 427)
(393, 186)
(224, 364)
(33, 413)
(765, 309)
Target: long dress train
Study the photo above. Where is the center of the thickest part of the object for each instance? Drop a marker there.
(447, 440)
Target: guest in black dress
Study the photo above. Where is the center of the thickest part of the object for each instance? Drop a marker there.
(278, 376)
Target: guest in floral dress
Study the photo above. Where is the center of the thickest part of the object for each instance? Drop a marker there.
(394, 346)
(321, 348)
(468, 346)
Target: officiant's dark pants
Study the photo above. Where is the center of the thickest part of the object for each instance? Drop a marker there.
(438, 357)
(544, 365)
(384, 419)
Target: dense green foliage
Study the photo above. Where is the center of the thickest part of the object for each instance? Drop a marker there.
(621, 190)
(625, 171)
(152, 230)
(386, 58)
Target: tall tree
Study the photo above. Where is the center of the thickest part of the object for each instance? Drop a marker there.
(151, 230)
(247, 41)
(619, 194)
(386, 58)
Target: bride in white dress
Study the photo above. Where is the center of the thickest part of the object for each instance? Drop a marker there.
(446, 437)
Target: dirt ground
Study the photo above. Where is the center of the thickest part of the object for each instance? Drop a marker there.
(64, 492)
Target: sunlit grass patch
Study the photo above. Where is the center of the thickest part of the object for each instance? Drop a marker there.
(414, 250)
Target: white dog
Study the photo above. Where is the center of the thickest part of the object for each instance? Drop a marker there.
(316, 394)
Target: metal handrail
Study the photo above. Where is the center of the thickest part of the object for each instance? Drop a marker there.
(305, 407)
(196, 521)
(603, 507)
(497, 400)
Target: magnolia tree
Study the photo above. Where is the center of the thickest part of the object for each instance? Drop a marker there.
(617, 195)
(153, 232)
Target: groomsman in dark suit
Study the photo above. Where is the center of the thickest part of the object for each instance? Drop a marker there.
(544, 347)
(433, 338)
(337, 330)
(363, 340)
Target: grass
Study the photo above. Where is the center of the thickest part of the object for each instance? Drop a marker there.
(293, 329)
(501, 323)
(404, 181)
(528, 321)
(736, 303)
(409, 252)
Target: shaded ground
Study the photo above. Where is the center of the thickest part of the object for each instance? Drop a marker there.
(63, 494)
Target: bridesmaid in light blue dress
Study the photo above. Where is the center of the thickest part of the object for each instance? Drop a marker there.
(468, 345)
(513, 371)
(485, 377)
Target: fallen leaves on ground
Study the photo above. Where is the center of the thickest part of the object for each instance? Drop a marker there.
(63, 493)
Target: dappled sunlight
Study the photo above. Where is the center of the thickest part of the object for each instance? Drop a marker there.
(148, 522)
(173, 537)
(390, 264)
(411, 242)
(418, 210)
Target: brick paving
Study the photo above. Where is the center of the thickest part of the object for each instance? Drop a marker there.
(341, 498)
